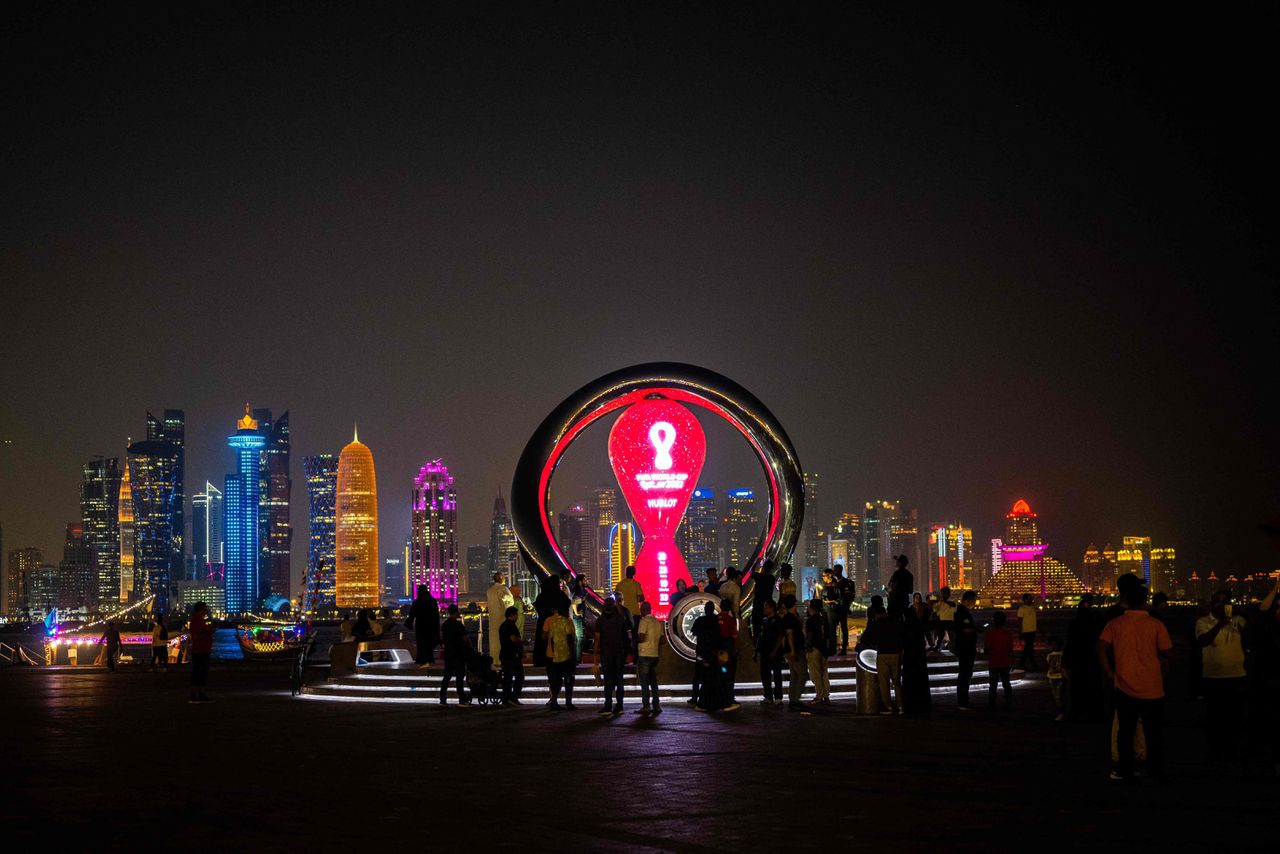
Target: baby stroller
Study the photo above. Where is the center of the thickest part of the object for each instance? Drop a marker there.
(482, 680)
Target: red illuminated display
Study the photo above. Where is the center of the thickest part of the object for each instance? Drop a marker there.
(657, 449)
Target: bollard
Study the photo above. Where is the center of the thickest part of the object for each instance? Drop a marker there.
(868, 699)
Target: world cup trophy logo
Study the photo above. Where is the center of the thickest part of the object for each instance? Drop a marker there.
(657, 449)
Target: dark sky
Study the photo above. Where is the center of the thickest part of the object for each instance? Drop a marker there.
(965, 256)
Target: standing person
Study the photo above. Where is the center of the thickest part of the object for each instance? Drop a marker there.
(786, 587)
(762, 584)
(915, 664)
(817, 644)
(793, 645)
(497, 599)
(111, 638)
(843, 602)
(577, 603)
(731, 589)
(885, 635)
(944, 611)
(1057, 675)
(511, 641)
(1221, 639)
(713, 581)
(706, 666)
(424, 619)
(682, 590)
(966, 646)
(830, 603)
(159, 643)
(517, 600)
(728, 620)
(648, 646)
(1131, 652)
(454, 636)
(999, 647)
(1027, 628)
(1080, 663)
(901, 586)
(769, 652)
(559, 636)
(632, 595)
(551, 600)
(613, 643)
(201, 651)
(1264, 683)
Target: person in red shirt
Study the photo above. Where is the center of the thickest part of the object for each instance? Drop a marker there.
(1132, 651)
(201, 651)
(999, 644)
(729, 643)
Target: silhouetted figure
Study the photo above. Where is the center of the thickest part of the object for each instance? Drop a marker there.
(999, 647)
(965, 632)
(706, 637)
(769, 653)
(201, 651)
(111, 638)
(363, 629)
(613, 642)
(424, 619)
(1129, 651)
(843, 602)
(763, 584)
(817, 644)
(1027, 626)
(511, 645)
(915, 666)
(901, 586)
(1079, 657)
(159, 643)
(551, 599)
(454, 636)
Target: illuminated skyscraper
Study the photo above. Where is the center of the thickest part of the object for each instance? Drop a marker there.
(504, 554)
(1164, 577)
(155, 474)
(23, 564)
(128, 538)
(356, 528)
(42, 589)
(100, 519)
(1135, 556)
(1025, 567)
(877, 548)
(849, 529)
(434, 533)
(905, 539)
(77, 573)
(743, 528)
(394, 582)
(321, 471)
(275, 491)
(950, 559)
(171, 429)
(698, 536)
(622, 550)
(577, 539)
(208, 531)
(815, 551)
(1099, 569)
(241, 499)
(604, 506)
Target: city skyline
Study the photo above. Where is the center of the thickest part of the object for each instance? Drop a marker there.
(959, 267)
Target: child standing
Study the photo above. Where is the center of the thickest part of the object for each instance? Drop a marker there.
(999, 644)
(1057, 678)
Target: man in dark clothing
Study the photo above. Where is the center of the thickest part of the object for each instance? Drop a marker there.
(966, 647)
(111, 637)
(551, 600)
(1085, 698)
(793, 647)
(769, 653)
(706, 636)
(424, 618)
(901, 586)
(613, 642)
(830, 610)
(454, 636)
(763, 582)
(847, 595)
(713, 581)
(728, 621)
(511, 644)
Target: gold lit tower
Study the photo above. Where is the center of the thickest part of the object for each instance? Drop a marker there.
(356, 528)
(125, 516)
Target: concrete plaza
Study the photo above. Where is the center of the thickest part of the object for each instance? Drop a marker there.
(102, 760)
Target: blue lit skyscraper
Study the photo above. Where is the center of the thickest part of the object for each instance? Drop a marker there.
(240, 498)
(322, 489)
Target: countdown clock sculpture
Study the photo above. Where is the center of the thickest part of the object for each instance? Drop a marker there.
(657, 448)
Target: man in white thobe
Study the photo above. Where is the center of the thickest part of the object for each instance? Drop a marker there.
(498, 598)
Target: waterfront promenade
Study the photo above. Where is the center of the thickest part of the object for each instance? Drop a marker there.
(121, 760)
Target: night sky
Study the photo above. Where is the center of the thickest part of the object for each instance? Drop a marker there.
(965, 256)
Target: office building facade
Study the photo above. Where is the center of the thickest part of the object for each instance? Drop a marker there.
(208, 531)
(321, 472)
(698, 536)
(434, 533)
(100, 521)
(275, 492)
(242, 504)
(356, 528)
(742, 526)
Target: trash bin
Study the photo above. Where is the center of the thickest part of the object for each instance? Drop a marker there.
(868, 697)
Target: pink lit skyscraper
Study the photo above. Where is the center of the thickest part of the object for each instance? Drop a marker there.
(435, 540)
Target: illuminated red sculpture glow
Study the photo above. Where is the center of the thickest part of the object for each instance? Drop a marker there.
(657, 449)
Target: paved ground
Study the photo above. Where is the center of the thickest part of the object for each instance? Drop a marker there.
(120, 760)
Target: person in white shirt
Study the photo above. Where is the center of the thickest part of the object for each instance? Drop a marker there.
(1027, 627)
(731, 588)
(498, 598)
(650, 636)
(1221, 640)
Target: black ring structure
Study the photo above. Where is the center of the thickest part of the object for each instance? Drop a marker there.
(772, 445)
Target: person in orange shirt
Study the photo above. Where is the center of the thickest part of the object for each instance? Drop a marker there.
(1132, 651)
